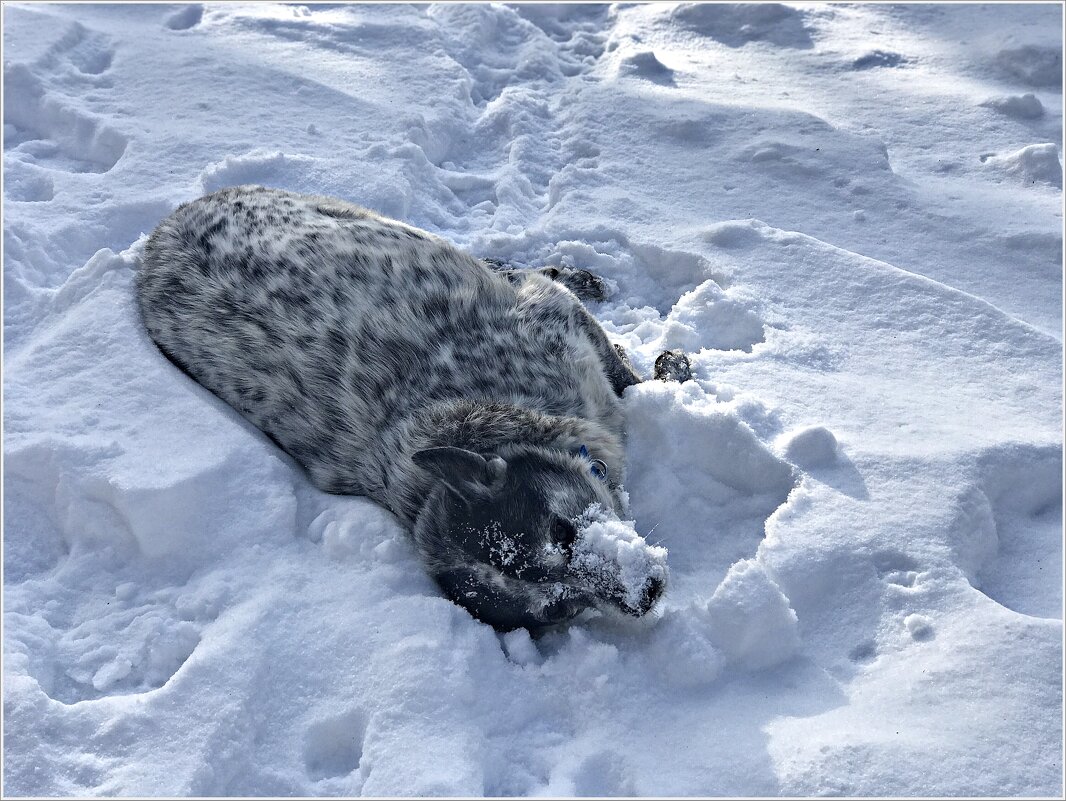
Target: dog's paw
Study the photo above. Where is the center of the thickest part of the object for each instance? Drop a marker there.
(673, 365)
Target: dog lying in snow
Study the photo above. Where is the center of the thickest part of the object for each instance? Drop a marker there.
(480, 404)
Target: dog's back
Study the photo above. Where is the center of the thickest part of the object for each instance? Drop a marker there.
(330, 328)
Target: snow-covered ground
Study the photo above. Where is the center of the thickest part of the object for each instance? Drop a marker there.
(849, 215)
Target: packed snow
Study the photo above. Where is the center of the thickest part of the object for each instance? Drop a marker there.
(848, 215)
(614, 560)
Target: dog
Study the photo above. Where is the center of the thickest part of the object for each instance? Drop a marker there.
(478, 402)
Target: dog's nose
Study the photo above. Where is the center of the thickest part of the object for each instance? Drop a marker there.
(652, 592)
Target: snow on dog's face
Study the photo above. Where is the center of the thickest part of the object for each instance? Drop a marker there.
(530, 541)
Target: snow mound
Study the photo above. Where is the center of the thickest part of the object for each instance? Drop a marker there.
(255, 167)
(1032, 164)
(1022, 107)
(710, 449)
(814, 446)
(747, 623)
(646, 65)
(750, 618)
(712, 317)
(878, 58)
(735, 234)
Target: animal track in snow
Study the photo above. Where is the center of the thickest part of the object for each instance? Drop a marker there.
(87, 53)
(865, 651)
(529, 45)
(530, 151)
(603, 773)
(578, 29)
(188, 17)
(52, 134)
(333, 746)
(42, 128)
(145, 642)
(919, 627)
(896, 568)
(520, 51)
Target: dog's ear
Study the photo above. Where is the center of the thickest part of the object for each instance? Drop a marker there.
(463, 472)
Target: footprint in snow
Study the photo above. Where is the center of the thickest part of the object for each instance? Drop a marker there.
(87, 52)
(50, 133)
(333, 746)
(919, 627)
(188, 17)
(896, 568)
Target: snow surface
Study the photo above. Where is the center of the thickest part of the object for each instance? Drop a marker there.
(850, 216)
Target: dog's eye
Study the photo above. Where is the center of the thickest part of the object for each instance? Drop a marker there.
(563, 533)
(599, 469)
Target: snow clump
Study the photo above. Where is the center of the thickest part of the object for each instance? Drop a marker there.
(613, 558)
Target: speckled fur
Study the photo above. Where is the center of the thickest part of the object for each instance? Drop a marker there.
(356, 341)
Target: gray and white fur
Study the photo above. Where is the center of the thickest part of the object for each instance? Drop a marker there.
(390, 364)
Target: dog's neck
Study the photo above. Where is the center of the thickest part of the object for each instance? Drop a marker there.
(487, 429)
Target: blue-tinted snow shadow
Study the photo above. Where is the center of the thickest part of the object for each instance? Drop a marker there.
(722, 730)
(842, 476)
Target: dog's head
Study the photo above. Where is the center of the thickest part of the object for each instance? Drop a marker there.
(532, 538)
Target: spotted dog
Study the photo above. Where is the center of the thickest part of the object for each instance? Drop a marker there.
(478, 402)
